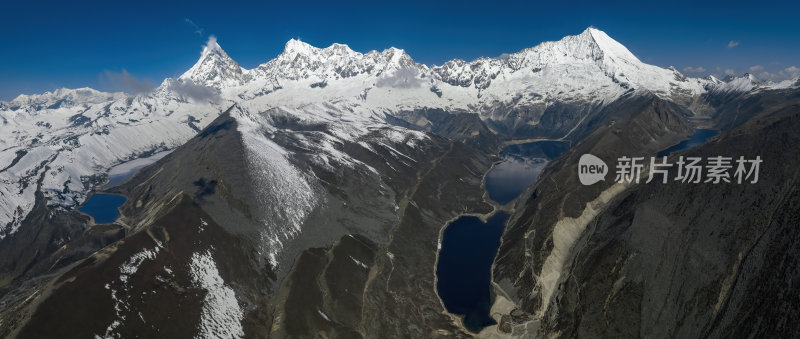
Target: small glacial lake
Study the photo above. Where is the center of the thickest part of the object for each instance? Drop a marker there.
(512, 176)
(520, 167)
(464, 268)
(104, 208)
(698, 138)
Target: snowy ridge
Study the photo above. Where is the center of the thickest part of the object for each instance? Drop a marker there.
(748, 83)
(300, 60)
(62, 97)
(589, 66)
(69, 139)
(284, 192)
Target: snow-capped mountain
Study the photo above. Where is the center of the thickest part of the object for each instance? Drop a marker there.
(587, 67)
(63, 143)
(60, 98)
(215, 68)
(744, 83)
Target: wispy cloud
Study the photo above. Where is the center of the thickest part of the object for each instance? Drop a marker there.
(125, 82)
(729, 72)
(211, 43)
(756, 68)
(197, 29)
(792, 72)
(402, 78)
(690, 69)
(733, 44)
(191, 90)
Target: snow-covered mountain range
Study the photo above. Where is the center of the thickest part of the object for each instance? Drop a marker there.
(63, 143)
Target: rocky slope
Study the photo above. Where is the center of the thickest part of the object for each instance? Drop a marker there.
(660, 259)
(209, 231)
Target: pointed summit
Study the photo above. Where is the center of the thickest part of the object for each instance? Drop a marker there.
(295, 46)
(591, 45)
(214, 68)
(609, 46)
(213, 47)
(745, 83)
(341, 50)
(397, 58)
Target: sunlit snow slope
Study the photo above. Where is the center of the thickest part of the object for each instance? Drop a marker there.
(63, 143)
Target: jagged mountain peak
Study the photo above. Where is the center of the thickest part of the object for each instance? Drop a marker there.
(295, 46)
(591, 45)
(609, 46)
(338, 48)
(746, 77)
(713, 79)
(63, 97)
(300, 60)
(214, 68)
(589, 65)
(213, 47)
(591, 51)
(587, 60)
(745, 83)
(397, 55)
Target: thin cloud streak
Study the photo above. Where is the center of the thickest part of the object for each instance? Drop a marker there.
(197, 29)
(690, 69)
(125, 82)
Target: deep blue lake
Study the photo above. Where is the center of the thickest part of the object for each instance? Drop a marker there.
(464, 268)
(698, 138)
(512, 176)
(103, 207)
(469, 246)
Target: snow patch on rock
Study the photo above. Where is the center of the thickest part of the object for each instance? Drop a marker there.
(221, 316)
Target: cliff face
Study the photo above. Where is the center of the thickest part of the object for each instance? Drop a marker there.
(663, 260)
(636, 125)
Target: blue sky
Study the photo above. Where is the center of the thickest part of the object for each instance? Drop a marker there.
(47, 45)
